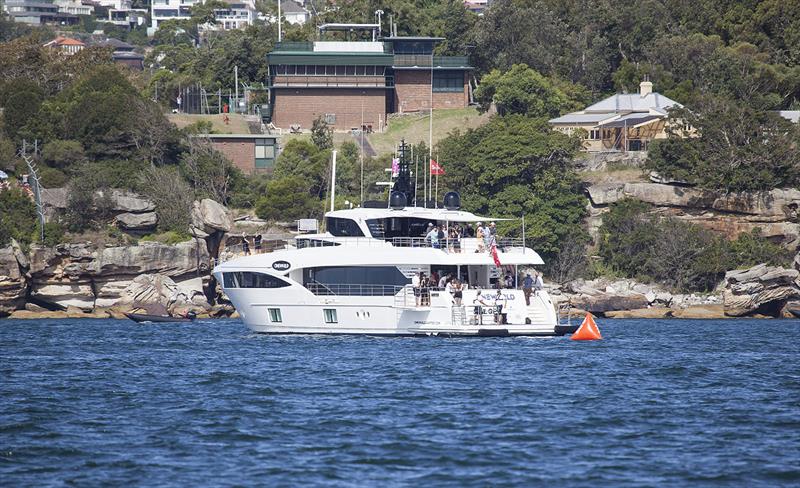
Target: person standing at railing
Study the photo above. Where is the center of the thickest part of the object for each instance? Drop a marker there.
(257, 243)
(245, 245)
(433, 237)
(416, 284)
(480, 234)
(425, 291)
(441, 236)
(458, 294)
(538, 284)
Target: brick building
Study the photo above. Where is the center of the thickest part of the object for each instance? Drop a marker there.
(356, 83)
(251, 153)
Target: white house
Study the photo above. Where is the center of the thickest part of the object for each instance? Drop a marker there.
(621, 122)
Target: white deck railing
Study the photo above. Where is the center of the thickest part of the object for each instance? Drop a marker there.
(463, 245)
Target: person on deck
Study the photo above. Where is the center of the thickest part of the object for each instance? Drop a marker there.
(479, 303)
(433, 238)
(458, 294)
(480, 235)
(538, 284)
(499, 304)
(527, 288)
(416, 283)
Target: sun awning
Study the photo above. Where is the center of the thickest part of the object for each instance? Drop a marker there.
(631, 121)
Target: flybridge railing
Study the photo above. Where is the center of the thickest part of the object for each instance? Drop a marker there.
(448, 245)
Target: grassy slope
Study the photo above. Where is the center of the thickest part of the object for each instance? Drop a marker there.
(414, 127)
(237, 124)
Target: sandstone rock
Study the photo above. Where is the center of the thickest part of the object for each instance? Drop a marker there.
(152, 257)
(605, 302)
(209, 217)
(65, 294)
(606, 193)
(133, 221)
(13, 284)
(781, 203)
(761, 289)
(641, 313)
(127, 201)
(701, 312)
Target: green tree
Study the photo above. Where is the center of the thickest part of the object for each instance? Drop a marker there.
(521, 90)
(321, 134)
(287, 199)
(62, 154)
(737, 148)
(18, 218)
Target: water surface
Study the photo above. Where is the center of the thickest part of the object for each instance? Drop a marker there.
(106, 402)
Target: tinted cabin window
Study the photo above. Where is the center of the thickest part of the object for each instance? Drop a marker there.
(343, 227)
(356, 275)
(247, 279)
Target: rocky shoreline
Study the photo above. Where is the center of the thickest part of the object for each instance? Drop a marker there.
(85, 280)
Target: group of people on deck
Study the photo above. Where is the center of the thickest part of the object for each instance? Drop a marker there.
(422, 285)
(448, 237)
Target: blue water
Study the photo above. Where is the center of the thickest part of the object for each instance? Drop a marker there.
(105, 402)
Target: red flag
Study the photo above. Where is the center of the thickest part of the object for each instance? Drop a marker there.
(494, 254)
(436, 170)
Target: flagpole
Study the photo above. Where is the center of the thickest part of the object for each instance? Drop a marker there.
(430, 123)
(416, 174)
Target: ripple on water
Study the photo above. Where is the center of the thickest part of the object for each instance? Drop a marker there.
(655, 403)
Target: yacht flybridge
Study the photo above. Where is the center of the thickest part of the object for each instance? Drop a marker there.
(362, 277)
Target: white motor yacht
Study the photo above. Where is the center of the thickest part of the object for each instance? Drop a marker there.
(358, 277)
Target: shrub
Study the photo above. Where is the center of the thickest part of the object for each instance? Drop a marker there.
(172, 196)
(18, 216)
(678, 254)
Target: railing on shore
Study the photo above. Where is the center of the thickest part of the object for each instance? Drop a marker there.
(463, 245)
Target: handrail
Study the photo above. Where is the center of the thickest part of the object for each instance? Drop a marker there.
(447, 245)
(351, 289)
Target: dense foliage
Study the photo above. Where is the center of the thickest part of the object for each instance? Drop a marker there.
(18, 218)
(516, 165)
(734, 148)
(684, 256)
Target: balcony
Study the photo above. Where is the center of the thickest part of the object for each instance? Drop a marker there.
(424, 61)
(279, 81)
(294, 46)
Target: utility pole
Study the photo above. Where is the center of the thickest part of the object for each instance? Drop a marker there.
(236, 82)
(279, 20)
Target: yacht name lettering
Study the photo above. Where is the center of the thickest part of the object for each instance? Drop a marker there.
(281, 265)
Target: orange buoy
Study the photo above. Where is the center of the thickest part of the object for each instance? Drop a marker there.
(588, 330)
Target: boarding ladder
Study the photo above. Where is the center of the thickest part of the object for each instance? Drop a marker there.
(458, 315)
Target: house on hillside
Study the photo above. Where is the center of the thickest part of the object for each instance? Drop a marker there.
(621, 122)
(66, 45)
(354, 84)
(294, 13)
(74, 7)
(124, 54)
(38, 12)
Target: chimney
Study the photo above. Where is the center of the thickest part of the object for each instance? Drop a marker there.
(645, 88)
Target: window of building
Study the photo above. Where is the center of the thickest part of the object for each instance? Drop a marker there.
(448, 81)
(265, 153)
(248, 279)
(275, 315)
(594, 134)
(330, 315)
(330, 119)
